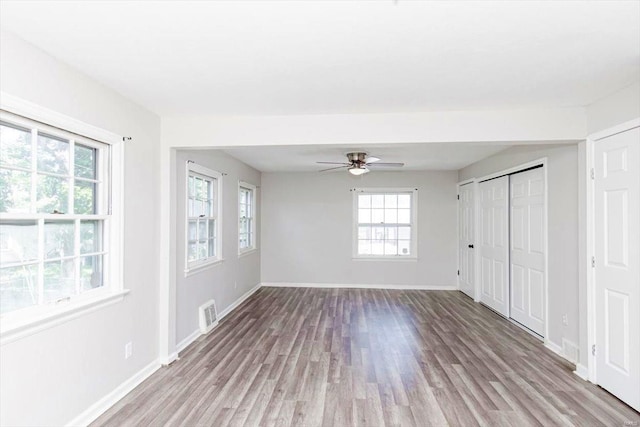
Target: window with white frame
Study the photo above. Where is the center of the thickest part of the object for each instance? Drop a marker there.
(203, 216)
(385, 225)
(54, 216)
(246, 217)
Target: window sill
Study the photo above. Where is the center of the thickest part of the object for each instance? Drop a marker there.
(247, 252)
(13, 329)
(381, 258)
(201, 267)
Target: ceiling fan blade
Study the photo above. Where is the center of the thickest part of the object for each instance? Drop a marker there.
(330, 169)
(372, 159)
(334, 163)
(386, 165)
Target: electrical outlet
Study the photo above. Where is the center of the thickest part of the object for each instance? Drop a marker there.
(565, 320)
(128, 350)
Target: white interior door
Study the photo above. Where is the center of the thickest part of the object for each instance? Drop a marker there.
(617, 264)
(527, 257)
(466, 239)
(494, 244)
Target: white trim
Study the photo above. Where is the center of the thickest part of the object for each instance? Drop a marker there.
(541, 161)
(169, 359)
(554, 347)
(239, 301)
(359, 286)
(13, 330)
(582, 371)
(49, 117)
(471, 182)
(590, 360)
(101, 406)
(247, 253)
(202, 266)
(188, 340)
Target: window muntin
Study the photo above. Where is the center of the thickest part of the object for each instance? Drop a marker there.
(203, 216)
(53, 198)
(384, 223)
(246, 217)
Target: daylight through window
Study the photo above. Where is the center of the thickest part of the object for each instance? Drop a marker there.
(246, 215)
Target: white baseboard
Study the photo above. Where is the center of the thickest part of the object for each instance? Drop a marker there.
(582, 371)
(554, 347)
(360, 286)
(570, 351)
(94, 411)
(188, 340)
(239, 301)
(165, 361)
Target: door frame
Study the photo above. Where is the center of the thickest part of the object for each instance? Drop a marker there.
(543, 161)
(589, 270)
(474, 187)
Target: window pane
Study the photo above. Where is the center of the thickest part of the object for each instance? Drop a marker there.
(377, 216)
(364, 216)
(85, 198)
(193, 230)
(85, 161)
(59, 280)
(18, 287)
(15, 191)
(243, 196)
(90, 237)
(390, 247)
(364, 247)
(404, 247)
(377, 233)
(191, 185)
(16, 146)
(391, 233)
(390, 200)
(198, 187)
(202, 229)
(243, 210)
(404, 201)
(190, 208)
(206, 190)
(91, 272)
(53, 155)
(52, 194)
(404, 233)
(404, 216)
(390, 216)
(192, 252)
(364, 201)
(377, 247)
(18, 241)
(212, 247)
(377, 201)
(212, 228)
(198, 208)
(58, 239)
(203, 249)
(364, 232)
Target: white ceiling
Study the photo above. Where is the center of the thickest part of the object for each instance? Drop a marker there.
(299, 57)
(449, 156)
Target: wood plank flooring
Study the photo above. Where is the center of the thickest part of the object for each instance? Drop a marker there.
(360, 357)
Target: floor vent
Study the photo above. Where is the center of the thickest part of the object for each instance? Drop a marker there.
(208, 316)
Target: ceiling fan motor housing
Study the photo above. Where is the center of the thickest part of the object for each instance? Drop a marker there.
(357, 158)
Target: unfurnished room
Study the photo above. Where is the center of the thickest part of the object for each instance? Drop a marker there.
(319, 213)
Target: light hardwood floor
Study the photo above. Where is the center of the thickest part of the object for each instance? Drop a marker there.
(342, 357)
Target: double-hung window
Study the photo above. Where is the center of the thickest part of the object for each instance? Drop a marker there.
(385, 223)
(246, 217)
(203, 216)
(54, 216)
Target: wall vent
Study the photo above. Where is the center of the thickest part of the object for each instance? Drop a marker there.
(208, 316)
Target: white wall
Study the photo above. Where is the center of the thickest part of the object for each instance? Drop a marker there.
(308, 220)
(562, 175)
(616, 108)
(51, 377)
(227, 281)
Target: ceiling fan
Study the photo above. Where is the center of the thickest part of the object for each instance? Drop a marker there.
(359, 163)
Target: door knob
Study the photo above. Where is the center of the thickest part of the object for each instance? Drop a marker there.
(471, 246)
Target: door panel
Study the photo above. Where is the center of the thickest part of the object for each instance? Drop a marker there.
(617, 257)
(494, 251)
(466, 237)
(527, 249)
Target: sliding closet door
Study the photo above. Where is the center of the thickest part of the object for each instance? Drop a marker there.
(528, 249)
(494, 244)
(466, 239)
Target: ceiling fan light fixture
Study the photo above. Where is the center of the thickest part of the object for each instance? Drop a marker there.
(358, 170)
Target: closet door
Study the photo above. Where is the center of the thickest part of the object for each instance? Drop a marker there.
(527, 258)
(494, 244)
(466, 239)
(617, 264)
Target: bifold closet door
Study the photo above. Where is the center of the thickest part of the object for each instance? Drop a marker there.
(466, 239)
(494, 244)
(617, 264)
(527, 256)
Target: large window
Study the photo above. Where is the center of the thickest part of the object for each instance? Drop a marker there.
(246, 217)
(203, 216)
(54, 215)
(385, 225)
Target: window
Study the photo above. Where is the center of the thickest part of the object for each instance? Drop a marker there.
(54, 216)
(203, 216)
(384, 225)
(246, 217)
